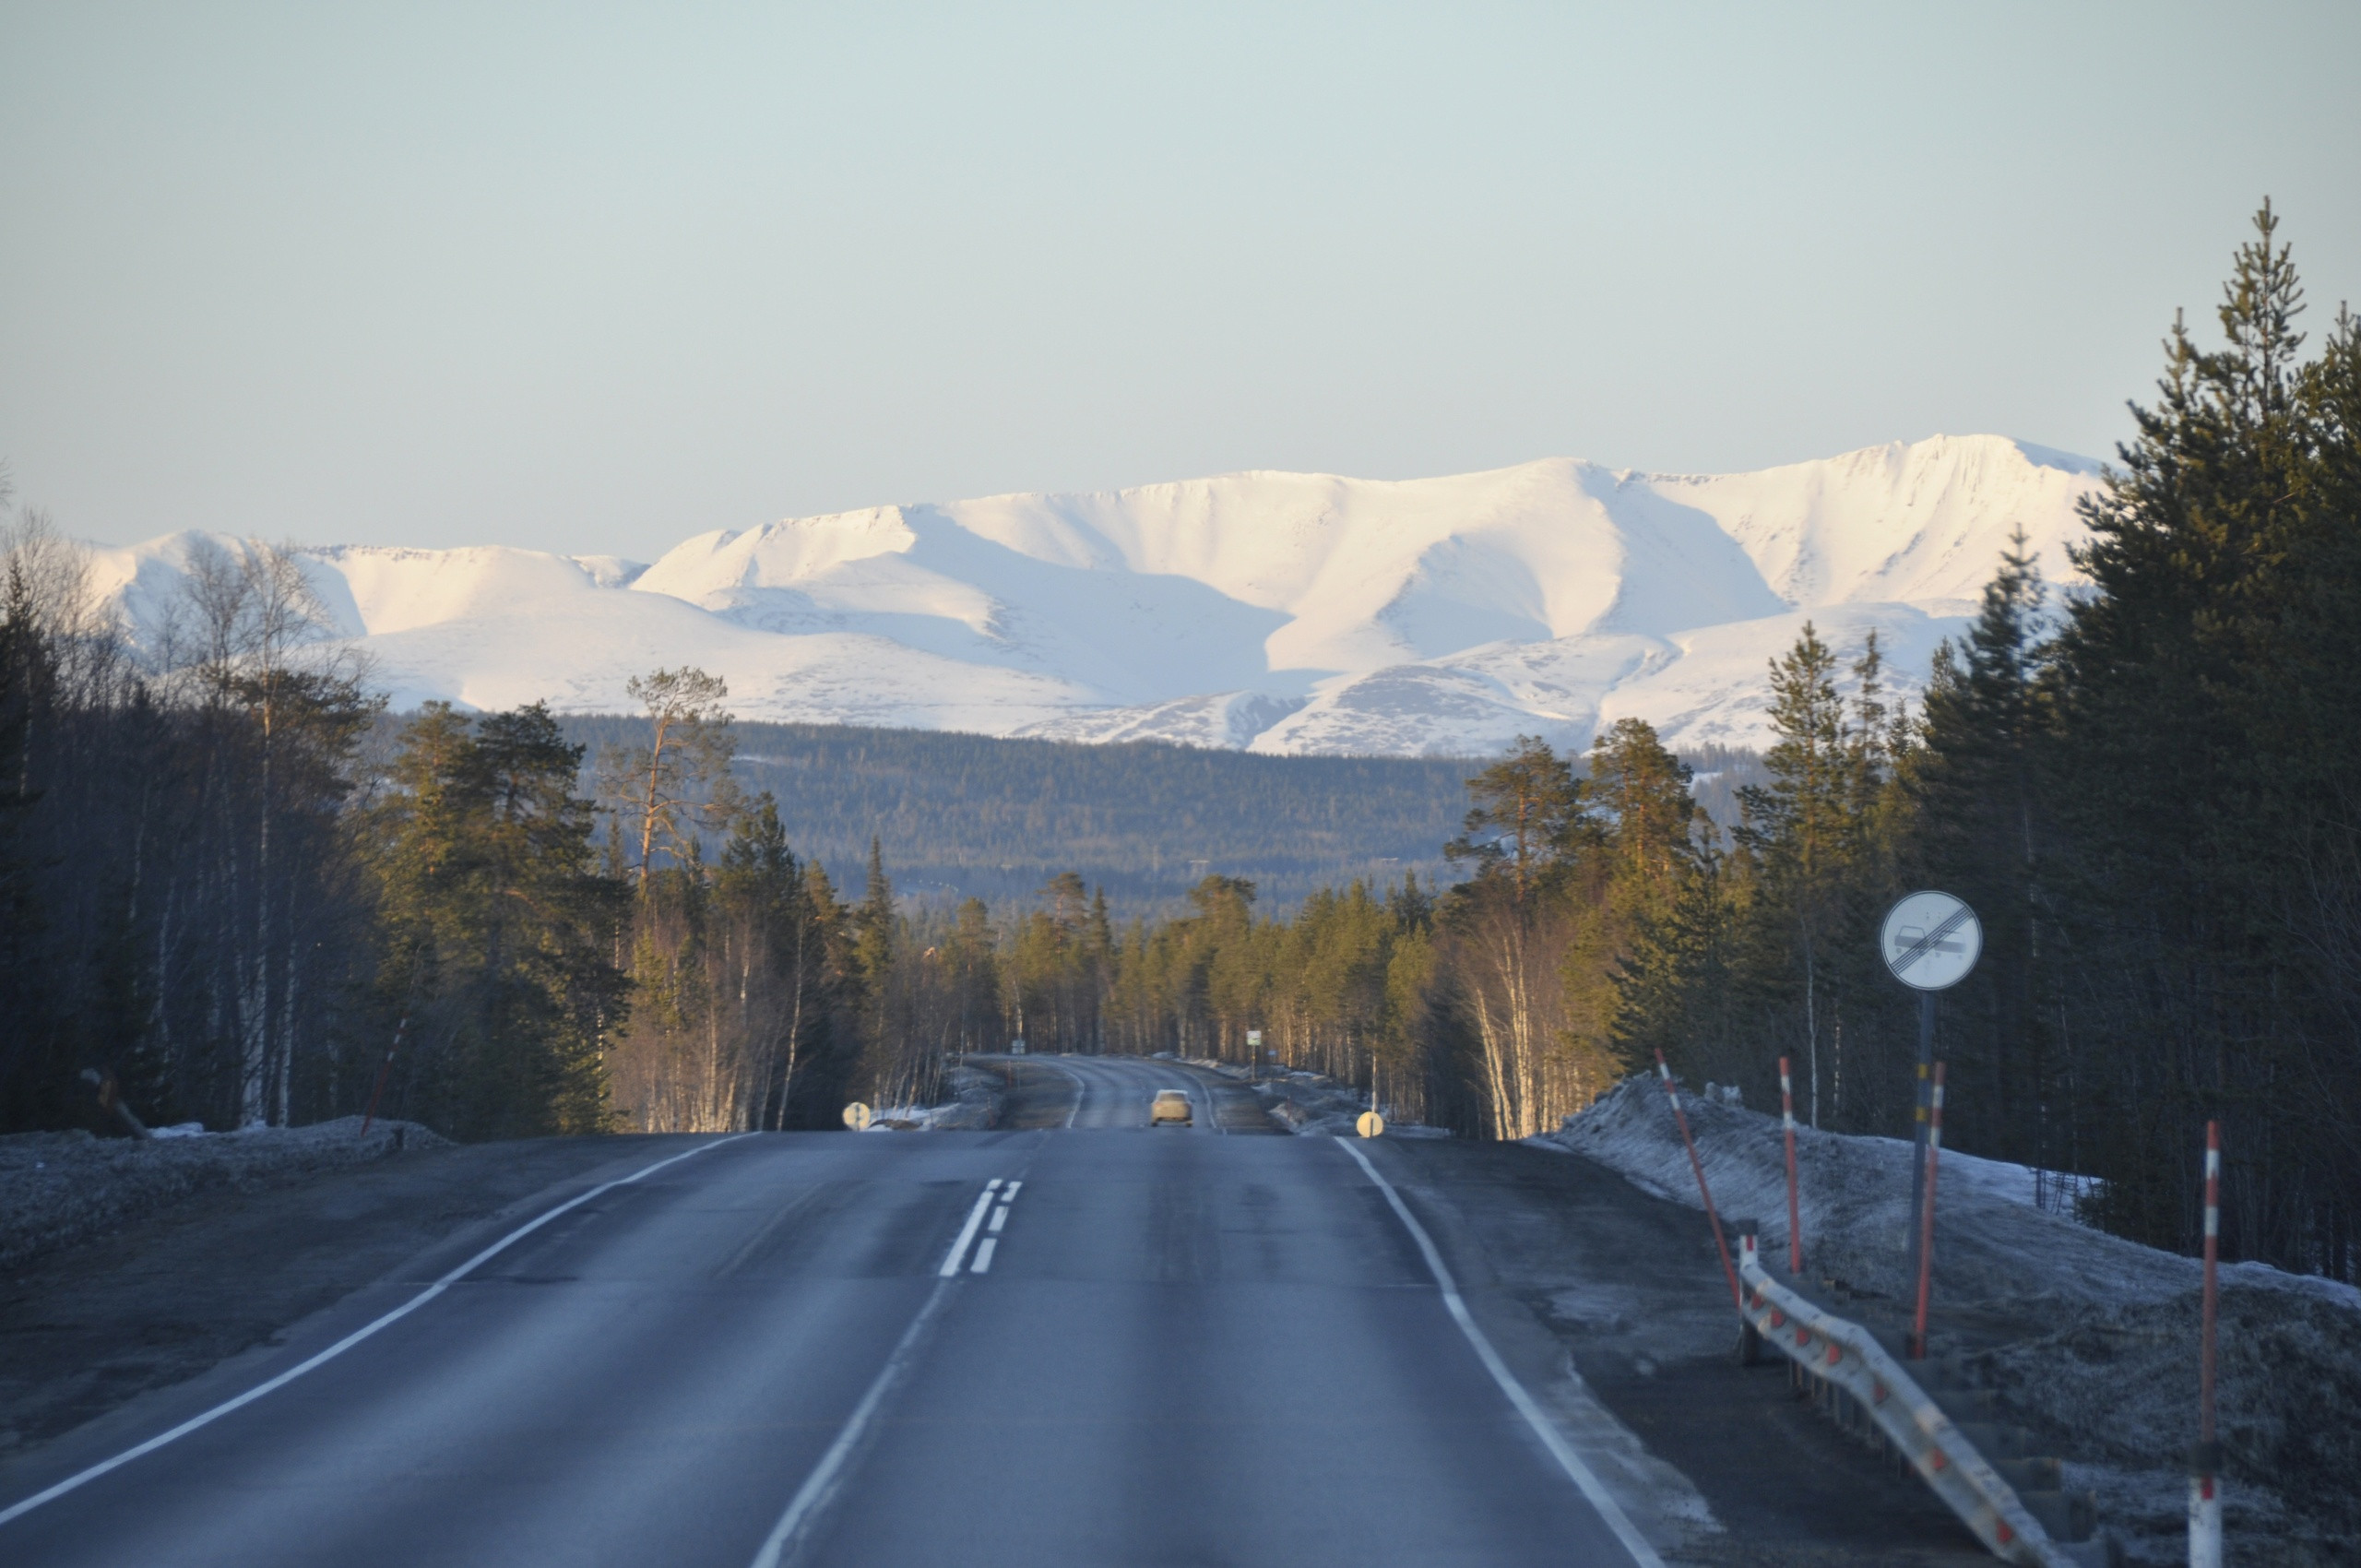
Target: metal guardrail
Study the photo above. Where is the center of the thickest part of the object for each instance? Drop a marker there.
(1848, 1356)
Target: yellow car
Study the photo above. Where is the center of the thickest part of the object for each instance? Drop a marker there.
(1170, 1105)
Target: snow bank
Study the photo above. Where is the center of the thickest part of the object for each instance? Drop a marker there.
(2089, 1338)
(60, 1188)
(1317, 1105)
(975, 1105)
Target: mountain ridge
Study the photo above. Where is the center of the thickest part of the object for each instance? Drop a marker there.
(1264, 611)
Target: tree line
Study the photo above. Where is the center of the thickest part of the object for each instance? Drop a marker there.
(235, 890)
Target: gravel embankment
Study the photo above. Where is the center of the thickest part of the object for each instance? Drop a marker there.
(2088, 1338)
(60, 1188)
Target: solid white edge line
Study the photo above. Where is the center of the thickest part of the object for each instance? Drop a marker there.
(817, 1487)
(984, 1249)
(348, 1341)
(967, 1231)
(1080, 1090)
(1526, 1405)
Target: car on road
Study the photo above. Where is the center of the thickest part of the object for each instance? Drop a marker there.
(1169, 1105)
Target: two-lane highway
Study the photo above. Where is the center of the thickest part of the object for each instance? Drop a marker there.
(1115, 1091)
(1108, 1345)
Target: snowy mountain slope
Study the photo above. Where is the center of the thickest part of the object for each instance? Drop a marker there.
(1279, 612)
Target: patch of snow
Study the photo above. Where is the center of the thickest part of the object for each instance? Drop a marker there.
(1316, 1105)
(60, 1188)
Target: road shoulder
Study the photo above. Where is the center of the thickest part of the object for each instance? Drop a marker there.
(1599, 1292)
(88, 1329)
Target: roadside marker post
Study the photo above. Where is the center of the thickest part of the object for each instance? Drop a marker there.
(1730, 1270)
(384, 1072)
(1926, 1218)
(1920, 1102)
(2205, 1459)
(1795, 1224)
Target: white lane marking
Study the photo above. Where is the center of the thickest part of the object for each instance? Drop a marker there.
(967, 1231)
(1568, 1460)
(1213, 1109)
(984, 1249)
(1080, 1090)
(350, 1341)
(820, 1484)
(1000, 1217)
(1008, 1193)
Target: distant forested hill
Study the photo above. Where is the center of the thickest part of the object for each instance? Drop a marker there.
(962, 815)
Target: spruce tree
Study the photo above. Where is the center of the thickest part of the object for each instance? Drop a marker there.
(1800, 832)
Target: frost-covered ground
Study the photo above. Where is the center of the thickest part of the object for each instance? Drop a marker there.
(60, 1188)
(2090, 1339)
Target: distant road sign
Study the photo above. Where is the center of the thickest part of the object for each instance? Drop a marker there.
(1017, 1048)
(1372, 1124)
(1931, 941)
(1253, 1039)
(857, 1117)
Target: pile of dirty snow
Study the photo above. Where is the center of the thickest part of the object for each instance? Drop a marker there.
(60, 1188)
(1316, 1104)
(2089, 1338)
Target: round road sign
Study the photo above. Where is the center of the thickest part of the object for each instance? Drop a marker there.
(1931, 940)
(1370, 1124)
(857, 1117)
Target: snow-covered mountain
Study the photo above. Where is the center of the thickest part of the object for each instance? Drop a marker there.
(1275, 611)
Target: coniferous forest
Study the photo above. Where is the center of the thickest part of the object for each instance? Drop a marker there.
(233, 882)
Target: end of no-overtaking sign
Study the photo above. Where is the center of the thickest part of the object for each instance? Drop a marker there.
(1931, 940)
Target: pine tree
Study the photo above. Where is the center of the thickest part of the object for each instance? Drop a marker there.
(1524, 806)
(498, 926)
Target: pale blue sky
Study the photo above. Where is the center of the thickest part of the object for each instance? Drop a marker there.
(595, 277)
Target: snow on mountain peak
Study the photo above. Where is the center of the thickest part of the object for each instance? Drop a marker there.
(1280, 611)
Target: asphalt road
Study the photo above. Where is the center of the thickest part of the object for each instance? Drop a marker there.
(1169, 1345)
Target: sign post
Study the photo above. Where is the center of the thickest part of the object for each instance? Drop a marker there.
(1930, 941)
(857, 1117)
(1253, 1055)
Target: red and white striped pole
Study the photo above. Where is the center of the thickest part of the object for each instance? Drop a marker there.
(383, 1074)
(1795, 1225)
(1738, 1298)
(1927, 1215)
(2205, 1459)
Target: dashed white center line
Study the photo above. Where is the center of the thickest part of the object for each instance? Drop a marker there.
(967, 1231)
(1005, 1192)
